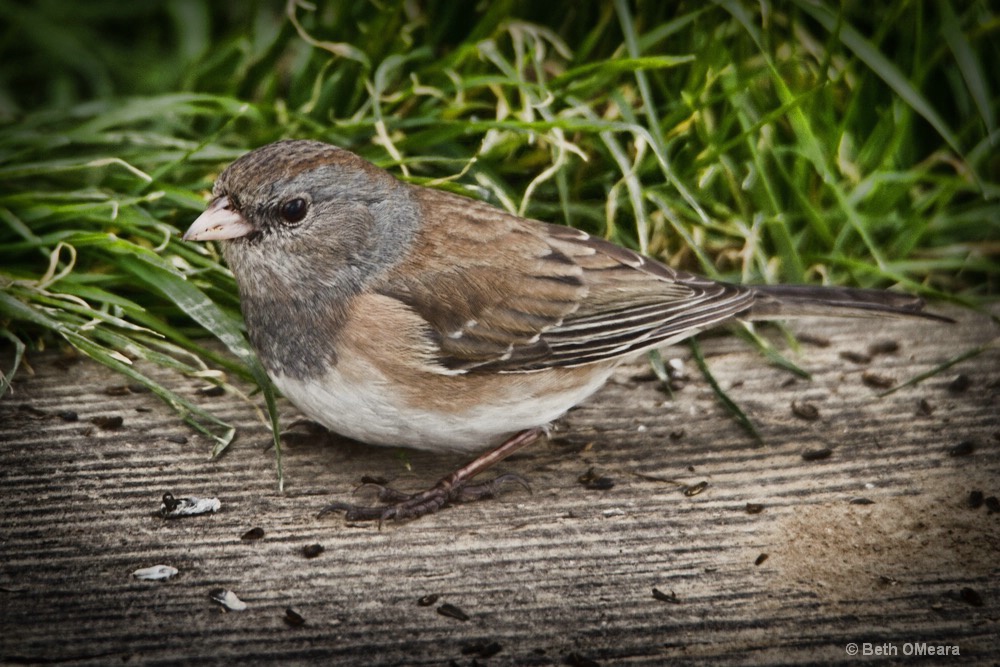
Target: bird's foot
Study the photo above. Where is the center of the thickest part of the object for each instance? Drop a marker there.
(398, 506)
(457, 487)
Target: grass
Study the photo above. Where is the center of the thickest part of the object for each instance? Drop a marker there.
(808, 143)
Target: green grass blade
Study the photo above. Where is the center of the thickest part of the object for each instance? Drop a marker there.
(7, 378)
(881, 66)
(940, 368)
(190, 413)
(158, 275)
(734, 410)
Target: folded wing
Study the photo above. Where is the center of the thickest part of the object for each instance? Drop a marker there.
(562, 298)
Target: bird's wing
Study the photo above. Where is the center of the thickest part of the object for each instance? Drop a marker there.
(560, 298)
(633, 302)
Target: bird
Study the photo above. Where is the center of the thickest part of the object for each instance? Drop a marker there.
(401, 315)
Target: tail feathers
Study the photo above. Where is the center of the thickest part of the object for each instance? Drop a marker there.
(781, 301)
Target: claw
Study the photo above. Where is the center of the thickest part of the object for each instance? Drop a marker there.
(488, 489)
(455, 488)
(400, 506)
(385, 494)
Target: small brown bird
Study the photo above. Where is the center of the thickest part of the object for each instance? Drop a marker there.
(404, 316)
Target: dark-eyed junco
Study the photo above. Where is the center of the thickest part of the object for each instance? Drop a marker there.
(400, 315)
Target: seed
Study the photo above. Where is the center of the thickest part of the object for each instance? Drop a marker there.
(451, 611)
(806, 411)
(817, 454)
(253, 534)
(312, 550)
(963, 448)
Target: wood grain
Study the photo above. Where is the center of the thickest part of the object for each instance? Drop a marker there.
(874, 543)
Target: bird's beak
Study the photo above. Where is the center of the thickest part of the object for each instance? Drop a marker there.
(217, 223)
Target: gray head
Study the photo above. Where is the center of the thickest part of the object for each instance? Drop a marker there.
(300, 215)
(305, 227)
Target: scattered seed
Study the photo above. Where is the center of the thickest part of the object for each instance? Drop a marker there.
(575, 659)
(975, 499)
(877, 381)
(212, 390)
(601, 484)
(155, 572)
(925, 408)
(695, 489)
(862, 501)
(32, 410)
(177, 439)
(760, 559)
(68, 416)
(227, 599)
(960, 383)
(817, 454)
(594, 482)
(788, 382)
(107, 423)
(169, 504)
(174, 508)
(428, 600)
(970, 596)
(312, 550)
(886, 580)
(483, 650)
(963, 448)
(755, 508)
(664, 597)
(992, 504)
(855, 357)
(806, 411)
(294, 618)
(451, 611)
(372, 479)
(813, 339)
(883, 347)
(253, 534)
(117, 390)
(137, 388)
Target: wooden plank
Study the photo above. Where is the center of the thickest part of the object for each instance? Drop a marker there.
(561, 575)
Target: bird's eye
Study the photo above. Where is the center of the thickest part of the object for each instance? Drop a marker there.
(294, 210)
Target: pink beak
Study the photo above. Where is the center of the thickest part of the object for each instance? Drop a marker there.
(217, 223)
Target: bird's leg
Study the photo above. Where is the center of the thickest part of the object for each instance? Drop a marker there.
(451, 489)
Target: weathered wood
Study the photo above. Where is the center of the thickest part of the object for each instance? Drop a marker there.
(563, 574)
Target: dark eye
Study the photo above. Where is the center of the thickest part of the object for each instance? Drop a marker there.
(294, 210)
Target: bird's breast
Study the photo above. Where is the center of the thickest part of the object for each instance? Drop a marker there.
(466, 413)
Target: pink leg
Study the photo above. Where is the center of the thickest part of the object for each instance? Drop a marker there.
(456, 487)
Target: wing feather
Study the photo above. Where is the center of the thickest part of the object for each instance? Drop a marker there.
(562, 298)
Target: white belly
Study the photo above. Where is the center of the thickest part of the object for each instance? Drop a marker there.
(372, 413)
